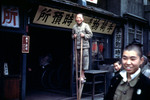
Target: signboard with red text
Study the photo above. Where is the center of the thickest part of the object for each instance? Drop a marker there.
(10, 16)
(25, 44)
(92, 1)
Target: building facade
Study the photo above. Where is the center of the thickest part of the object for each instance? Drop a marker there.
(37, 48)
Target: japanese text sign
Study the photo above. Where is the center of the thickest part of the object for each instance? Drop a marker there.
(10, 16)
(55, 17)
(118, 43)
(25, 44)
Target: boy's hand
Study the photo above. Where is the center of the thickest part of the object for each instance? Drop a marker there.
(82, 35)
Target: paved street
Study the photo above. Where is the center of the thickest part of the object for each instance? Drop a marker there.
(46, 95)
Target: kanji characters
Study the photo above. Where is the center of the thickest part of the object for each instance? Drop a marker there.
(96, 24)
(10, 14)
(110, 27)
(57, 17)
(68, 19)
(104, 25)
(44, 14)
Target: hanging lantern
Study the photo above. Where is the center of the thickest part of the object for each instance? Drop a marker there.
(94, 48)
(101, 48)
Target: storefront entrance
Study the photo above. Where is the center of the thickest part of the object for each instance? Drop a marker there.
(49, 60)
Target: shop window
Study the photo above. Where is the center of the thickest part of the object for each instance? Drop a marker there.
(97, 51)
(131, 33)
(134, 31)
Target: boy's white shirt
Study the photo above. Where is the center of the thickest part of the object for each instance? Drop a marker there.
(123, 73)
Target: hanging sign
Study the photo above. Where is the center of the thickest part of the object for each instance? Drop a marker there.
(118, 43)
(92, 1)
(25, 44)
(10, 16)
(55, 17)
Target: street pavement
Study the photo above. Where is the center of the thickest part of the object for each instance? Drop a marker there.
(36, 94)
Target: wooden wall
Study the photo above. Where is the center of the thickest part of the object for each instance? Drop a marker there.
(11, 87)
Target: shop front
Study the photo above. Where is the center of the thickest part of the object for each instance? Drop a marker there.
(52, 48)
(45, 60)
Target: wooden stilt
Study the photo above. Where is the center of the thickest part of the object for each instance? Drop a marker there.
(76, 64)
(80, 84)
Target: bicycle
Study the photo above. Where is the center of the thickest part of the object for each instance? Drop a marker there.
(55, 78)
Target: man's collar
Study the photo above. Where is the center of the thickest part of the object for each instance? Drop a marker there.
(79, 24)
(123, 73)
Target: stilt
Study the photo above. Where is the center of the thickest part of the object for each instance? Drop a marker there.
(81, 84)
(76, 63)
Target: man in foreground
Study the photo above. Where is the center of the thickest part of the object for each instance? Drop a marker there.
(130, 84)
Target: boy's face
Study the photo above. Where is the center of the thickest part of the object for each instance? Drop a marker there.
(117, 66)
(79, 19)
(131, 61)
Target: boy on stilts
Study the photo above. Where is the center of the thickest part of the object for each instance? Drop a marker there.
(81, 32)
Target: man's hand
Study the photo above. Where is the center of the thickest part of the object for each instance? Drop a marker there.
(29, 69)
(82, 35)
(75, 35)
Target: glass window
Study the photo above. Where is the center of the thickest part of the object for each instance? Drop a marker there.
(132, 25)
(134, 31)
(139, 27)
(131, 37)
(131, 34)
(139, 35)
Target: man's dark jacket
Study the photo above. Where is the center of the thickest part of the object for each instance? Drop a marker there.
(143, 84)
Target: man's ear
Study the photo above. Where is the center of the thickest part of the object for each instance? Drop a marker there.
(142, 60)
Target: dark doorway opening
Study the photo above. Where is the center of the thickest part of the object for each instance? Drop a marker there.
(49, 60)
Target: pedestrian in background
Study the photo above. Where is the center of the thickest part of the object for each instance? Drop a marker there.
(146, 68)
(117, 67)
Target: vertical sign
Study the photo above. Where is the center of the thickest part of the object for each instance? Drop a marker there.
(25, 44)
(10, 16)
(118, 43)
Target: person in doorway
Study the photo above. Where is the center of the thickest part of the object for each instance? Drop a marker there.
(130, 83)
(117, 67)
(82, 30)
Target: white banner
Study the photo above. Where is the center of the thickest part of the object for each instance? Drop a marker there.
(92, 1)
(10, 16)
